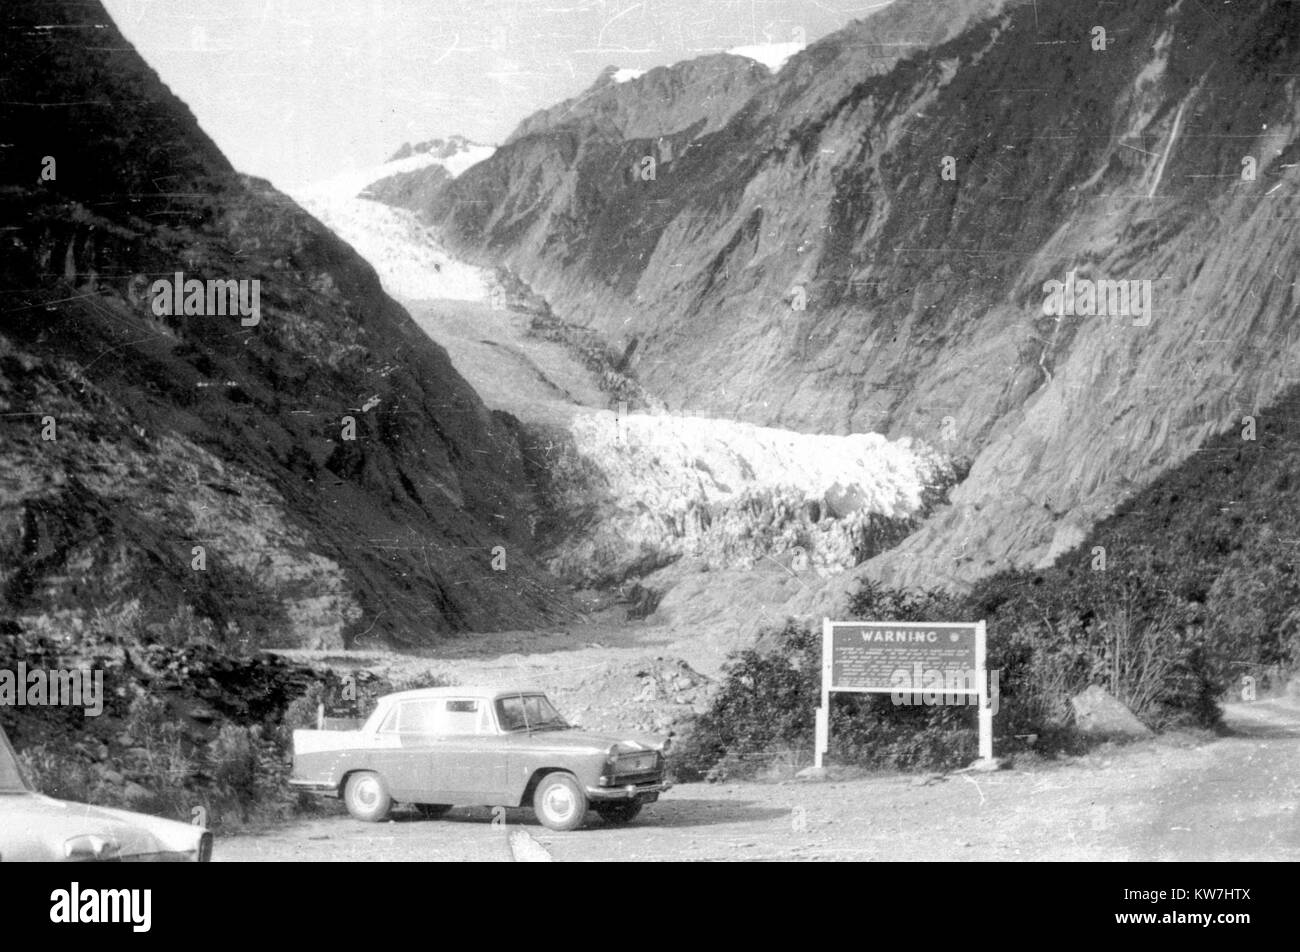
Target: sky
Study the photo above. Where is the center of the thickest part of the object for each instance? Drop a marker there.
(298, 91)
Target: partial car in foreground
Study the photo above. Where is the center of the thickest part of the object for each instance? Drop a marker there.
(442, 747)
(38, 828)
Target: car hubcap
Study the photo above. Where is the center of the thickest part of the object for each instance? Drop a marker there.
(367, 793)
(559, 802)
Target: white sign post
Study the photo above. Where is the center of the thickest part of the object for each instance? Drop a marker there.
(912, 659)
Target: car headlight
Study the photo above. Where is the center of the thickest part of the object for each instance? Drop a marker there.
(611, 767)
(89, 848)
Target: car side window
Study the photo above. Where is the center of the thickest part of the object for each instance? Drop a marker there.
(510, 710)
(389, 726)
(416, 717)
(459, 716)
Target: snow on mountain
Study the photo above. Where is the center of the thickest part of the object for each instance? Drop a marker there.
(472, 155)
(771, 55)
(352, 183)
(411, 263)
(626, 75)
(459, 156)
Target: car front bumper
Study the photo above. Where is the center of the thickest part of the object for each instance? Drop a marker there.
(640, 792)
(323, 787)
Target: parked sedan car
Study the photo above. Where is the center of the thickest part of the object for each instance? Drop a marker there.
(39, 828)
(442, 747)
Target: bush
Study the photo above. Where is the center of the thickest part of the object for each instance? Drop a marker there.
(766, 707)
(1051, 635)
(234, 759)
(148, 721)
(60, 775)
(301, 712)
(424, 679)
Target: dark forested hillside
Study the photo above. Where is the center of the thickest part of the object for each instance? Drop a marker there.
(312, 473)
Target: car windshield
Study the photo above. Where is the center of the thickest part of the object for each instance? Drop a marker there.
(529, 712)
(11, 778)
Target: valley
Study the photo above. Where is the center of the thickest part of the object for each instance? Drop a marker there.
(698, 515)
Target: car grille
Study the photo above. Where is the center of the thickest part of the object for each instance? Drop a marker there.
(637, 768)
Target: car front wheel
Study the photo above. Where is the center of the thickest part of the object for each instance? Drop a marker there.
(367, 798)
(559, 802)
(624, 811)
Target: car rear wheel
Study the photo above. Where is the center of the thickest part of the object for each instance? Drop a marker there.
(432, 811)
(624, 811)
(367, 798)
(559, 802)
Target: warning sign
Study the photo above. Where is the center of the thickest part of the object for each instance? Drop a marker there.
(871, 656)
(902, 658)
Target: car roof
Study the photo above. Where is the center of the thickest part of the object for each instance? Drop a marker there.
(491, 693)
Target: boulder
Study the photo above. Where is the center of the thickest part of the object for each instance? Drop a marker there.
(1098, 714)
(109, 775)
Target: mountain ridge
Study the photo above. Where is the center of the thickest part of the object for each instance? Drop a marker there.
(920, 297)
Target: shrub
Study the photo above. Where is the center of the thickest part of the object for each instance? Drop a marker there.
(234, 757)
(148, 721)
(60, 774)
(765, 711)
(1049, 638)
(423, 679)
(301, 712)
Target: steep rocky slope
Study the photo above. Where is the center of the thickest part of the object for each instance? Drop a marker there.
(810, 263)
(200, 466)
(699, 94)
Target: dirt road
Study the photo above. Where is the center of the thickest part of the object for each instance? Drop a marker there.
(1176, 798)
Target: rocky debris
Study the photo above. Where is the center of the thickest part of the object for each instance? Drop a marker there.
(246, 689)
(641, 602)
(177, 724)
(1098, 714)
(110, 775)
(657, 696)
(606, 365)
